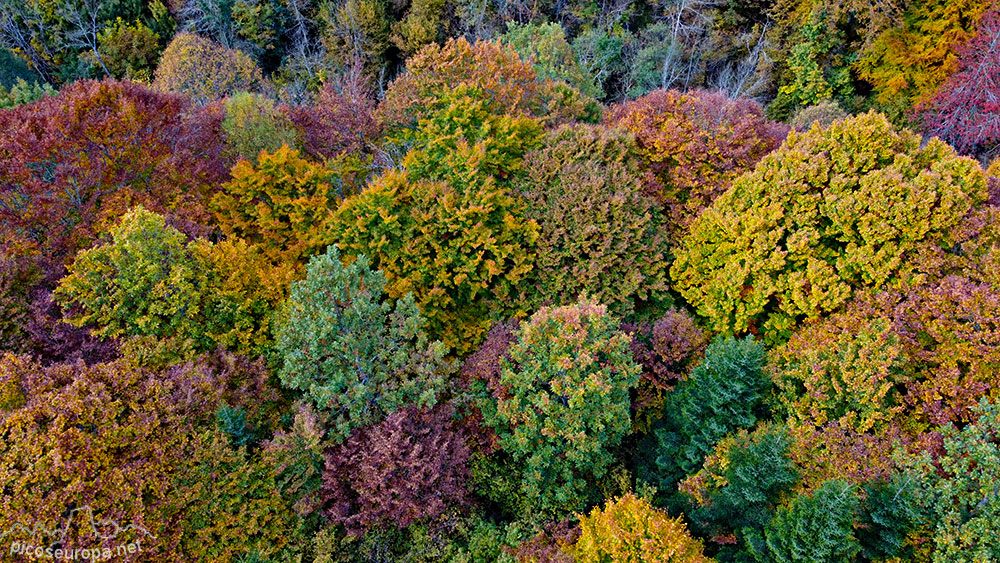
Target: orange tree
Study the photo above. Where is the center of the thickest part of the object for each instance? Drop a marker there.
(282, 203)
(205, 70)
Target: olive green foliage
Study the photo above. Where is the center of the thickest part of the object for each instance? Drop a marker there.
(819, 69)
(447, 228)
(723, 394)
(550, 54)
(568, 376)
(253, 124)
(283, 203)
(423, 25)
(204, 70)
(232, 505)
(959, 490)
(353, 352)
(129, 50)
(823, 113)
(599, 231)
(148, 281)
(24, 92)
(831, 211)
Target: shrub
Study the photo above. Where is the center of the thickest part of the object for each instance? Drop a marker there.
(832, 211)
(204, 70)
(412, 466)
(568, 377)
(724, 393)
(352, 352)
(253, 124)
(282, 203)
(630, 530)
(598, 231)
(696, 144)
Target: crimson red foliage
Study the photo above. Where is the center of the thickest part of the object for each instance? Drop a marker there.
(965, 111)
(78, 159)
(410, 466)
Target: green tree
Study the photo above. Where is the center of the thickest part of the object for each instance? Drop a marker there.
(355, 354)
(723, 394)
(550, 54)
(568, 376)
(149, 282)
(816, 528)
(742, 482)
(960, 490)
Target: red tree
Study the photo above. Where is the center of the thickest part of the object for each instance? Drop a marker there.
(411, 466)
(73, 161)
(965, 111)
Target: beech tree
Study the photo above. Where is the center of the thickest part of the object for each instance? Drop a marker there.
(830, 212)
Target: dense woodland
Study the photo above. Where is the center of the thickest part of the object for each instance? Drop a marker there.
(479, 281)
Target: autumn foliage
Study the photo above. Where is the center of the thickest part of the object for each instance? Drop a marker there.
(832, 211)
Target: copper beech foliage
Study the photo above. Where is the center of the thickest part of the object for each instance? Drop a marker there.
(74, 162)
(696, 144)
(110, 437)
(409, 467)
